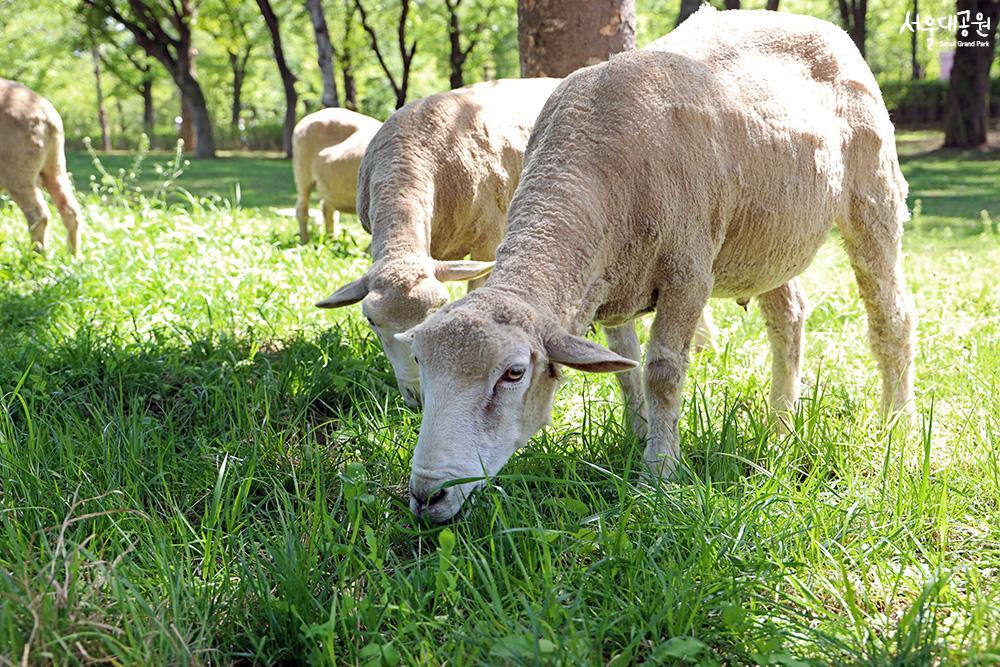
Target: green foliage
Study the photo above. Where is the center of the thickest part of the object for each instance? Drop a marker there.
(924, 101)
(43, 39)
(198, 466)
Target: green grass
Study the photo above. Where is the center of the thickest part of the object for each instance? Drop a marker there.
(265, 181)
(197, 466)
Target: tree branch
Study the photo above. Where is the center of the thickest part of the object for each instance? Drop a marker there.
(375, 47)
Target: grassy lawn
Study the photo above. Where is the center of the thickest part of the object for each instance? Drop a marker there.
(197, 466)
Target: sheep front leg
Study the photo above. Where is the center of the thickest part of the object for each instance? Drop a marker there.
(677, 314)
(624, 341)
(784, 311)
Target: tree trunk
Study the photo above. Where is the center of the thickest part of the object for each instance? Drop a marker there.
(732, 4)
(967, 109)
(772, 5)
(854, 16)
(916, 71)
(187, 124)
(346, 61)
(287, 78)
(688, 7)
(148, 110)
(559, 36)
(237, 107)
(456, 56)
(102, 114)
(324, 53)
(350, 89)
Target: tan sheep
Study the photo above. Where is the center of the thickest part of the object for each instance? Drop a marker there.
(713, 165)
(31, 154)
(336, 181)
(433, 188)
(335, 171)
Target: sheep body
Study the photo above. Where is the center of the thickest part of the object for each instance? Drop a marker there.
(713, 163)
(336, 181)
(433, 188)
(32, 154)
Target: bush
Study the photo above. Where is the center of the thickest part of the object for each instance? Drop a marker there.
(924, 101)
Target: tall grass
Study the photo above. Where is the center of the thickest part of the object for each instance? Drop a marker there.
(196, 466)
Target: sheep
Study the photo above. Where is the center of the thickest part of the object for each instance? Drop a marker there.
(433, 188)
(335, 172)
(31, 154)
(713, 164)
(321, 131)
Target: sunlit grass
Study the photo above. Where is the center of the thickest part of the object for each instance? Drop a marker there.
(198, 466)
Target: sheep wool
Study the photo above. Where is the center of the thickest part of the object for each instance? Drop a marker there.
(32, 152)
(712, 163)
(327, 147)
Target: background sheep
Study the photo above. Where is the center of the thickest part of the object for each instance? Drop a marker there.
(335, 171)
(313, 134)
(433, 188)
(31, 153)
(714, 164)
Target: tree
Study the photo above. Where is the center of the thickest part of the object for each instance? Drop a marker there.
(560, 36)
(235, 27)
(916, 71)
(324, 52)
(102, 114)
(127, 62)
(967, 109)
(458, 54)
(688, 7)
(854, 16)
(345, 59)
(287, 78)
(163, 28)
(406, 53)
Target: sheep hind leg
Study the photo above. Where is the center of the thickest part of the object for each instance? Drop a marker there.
(872, 237)
(331, 219)
(677, 314)
(32, 204)
(61, 190)
(624, 341)
(303, 190)
(784, 311)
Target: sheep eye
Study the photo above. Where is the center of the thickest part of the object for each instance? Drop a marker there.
(513, 374)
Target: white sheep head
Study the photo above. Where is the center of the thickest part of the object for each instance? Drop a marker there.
(488, 369)
(398, 294)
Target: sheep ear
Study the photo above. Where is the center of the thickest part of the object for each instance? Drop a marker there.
(584, 355)
(405, 337)
(352, 292)
(461, 269)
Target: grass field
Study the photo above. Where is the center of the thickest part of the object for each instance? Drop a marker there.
(197, 466)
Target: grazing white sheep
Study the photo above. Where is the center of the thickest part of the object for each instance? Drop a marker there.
(335, 171)
(714, 164)
(31, 154)
(433, 188)
(319, 132)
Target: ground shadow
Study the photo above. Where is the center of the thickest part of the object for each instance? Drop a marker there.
(264, 182)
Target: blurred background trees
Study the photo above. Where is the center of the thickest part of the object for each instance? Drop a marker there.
(232, 74)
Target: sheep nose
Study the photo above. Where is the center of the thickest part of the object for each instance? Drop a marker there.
(420, 502)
